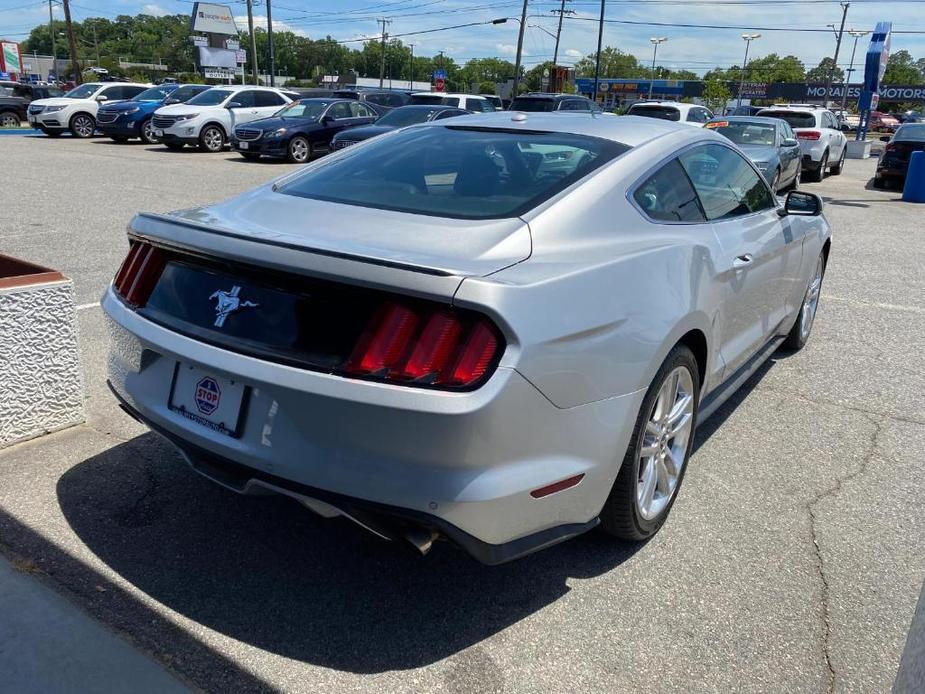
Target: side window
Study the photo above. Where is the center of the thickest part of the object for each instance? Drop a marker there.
(395, 100)
(725, 183)
(667, 196)
(379, 99)
(692, 116)
(358, 110)
(129, 92)
(340, 110)
(475, 105)
(245, 99)
(448, 114)
(114, 93)
(574, 105)
(269, 99)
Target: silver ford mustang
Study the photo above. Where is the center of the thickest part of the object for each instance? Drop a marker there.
(502, 331)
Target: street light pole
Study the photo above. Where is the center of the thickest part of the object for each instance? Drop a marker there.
(828, 77)
(250, 28)
(561, 12)
(844, 97)
(597, 61)
(54, 51)
(411, 81)
(748, 40)
(520, 47)
(655, 41)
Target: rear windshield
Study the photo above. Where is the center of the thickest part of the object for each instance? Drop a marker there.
(911, 131)
(745, 133)
(795, 118)
(533, 105)
(400, 117)
(457, 172)
(663, 112)
(431, 99)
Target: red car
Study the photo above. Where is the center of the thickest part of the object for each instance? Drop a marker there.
(882, 122)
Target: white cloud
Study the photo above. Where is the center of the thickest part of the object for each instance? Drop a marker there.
(509, 49)
(260, 21)
(573, 53)
(154, 10)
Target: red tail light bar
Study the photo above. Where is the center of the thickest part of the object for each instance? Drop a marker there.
(424, 345)
(808, 134)
(139, 272)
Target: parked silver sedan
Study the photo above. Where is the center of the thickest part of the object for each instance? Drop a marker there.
(769, 142)
(502, 331)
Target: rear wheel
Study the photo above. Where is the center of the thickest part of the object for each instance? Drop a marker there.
(817, 175)
(839, 167)
(657, 456)
(300, 150)
(9, 120)
(799, 333)
(211, 139)
(82, 125)
(147, 132)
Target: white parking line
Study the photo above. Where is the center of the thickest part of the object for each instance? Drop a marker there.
(888, 307)
(84, 307)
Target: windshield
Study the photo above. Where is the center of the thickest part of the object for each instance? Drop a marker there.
(663, 112)
(911, 131)
(746, 133)
(795, 118)
(303, 109)
(84, 91)
(400, 117)
(533, 105)
(210, 97)
(153, 94)
(433, 100)
(182, 94)
(458, 172)
(6, 91)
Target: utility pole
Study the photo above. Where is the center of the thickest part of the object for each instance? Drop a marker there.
(72, 41)
(561, 12)
(841, 31)
(54, 50)
(250, 28)
(520, 47)
(411, 81)
(271, 57)
(96, 45)
(597, 60)
(383, 21)
(748, 38)
(856, 34)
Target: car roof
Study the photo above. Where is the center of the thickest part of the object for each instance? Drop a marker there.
(794, 109)
(241, 87)
(428, 107)
(757, 120)
(629, 130)
(459, 95)
(673, 104)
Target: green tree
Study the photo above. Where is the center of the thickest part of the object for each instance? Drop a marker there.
(821, 71)
(614, 63)
(902, 69)
(715, 95)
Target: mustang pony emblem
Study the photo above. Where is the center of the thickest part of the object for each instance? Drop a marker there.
(228, 303)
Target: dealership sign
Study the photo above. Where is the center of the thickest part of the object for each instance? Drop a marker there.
(10, 58)
(878, 54)
(213, 19)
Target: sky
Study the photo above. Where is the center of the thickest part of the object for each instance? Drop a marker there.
(692, 48)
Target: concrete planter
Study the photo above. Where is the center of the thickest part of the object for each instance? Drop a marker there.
(858, 149)
(40, 386)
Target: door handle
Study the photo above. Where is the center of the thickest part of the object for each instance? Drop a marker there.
(742, 260)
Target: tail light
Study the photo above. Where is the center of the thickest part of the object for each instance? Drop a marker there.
(808, 134)
(424, 345)
(139, 272)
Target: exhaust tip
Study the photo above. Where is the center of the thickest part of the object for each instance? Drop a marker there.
(422, 539)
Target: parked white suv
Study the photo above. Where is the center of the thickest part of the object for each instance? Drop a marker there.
(688, 114)
(209, 118)
(76, 110)
(469, 102)
(819, 134)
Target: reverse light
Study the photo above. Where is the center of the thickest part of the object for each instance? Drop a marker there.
(423, 345)
(808, 134)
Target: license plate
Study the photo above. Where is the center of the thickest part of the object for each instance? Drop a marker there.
(243, 145)
(159, 133)
(203, 397)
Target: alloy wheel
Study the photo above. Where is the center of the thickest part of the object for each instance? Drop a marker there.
(665, 441)
(811, 302)
(83, 126)
(9, 120)
(212, 139)
(299, 150)
(147, 132)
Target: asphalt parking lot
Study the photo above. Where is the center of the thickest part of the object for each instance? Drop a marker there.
(792, 561)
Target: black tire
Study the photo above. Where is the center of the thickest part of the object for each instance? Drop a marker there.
(9, 119)
(212, 139)
(299, 150)
(796, 339)
(840, 166)
(620, 516)
(121, 139)
(816, 175)
(146, 132)
(82, 125)
(175, 146)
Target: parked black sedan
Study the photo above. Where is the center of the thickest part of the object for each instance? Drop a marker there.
(300, 130)
(394, 119)
(894, 162)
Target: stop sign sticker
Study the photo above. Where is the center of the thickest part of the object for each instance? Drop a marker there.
(439, 84)
(208, 395)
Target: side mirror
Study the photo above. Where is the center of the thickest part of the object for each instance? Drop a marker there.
(790, 142)
(233, 104)
(885, 138)
(327, 120)
(801, 204)
(101, 99)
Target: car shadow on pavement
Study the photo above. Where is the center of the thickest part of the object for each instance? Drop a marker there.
(269, 573)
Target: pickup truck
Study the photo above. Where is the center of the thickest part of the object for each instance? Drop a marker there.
(16, 96)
